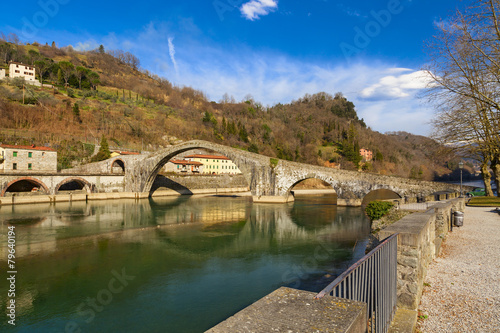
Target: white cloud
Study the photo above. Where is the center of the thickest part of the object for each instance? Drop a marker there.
(252, 10)
(273, 79)
(171, 52)
(397, 86)
(86, 46)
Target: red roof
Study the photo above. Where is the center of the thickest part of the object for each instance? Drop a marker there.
(32, 147)
(214, 157)
(126, 152)
(184, 162)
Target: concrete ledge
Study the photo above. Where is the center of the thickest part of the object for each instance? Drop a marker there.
(294, 311)
(405, 321)
(66, 197)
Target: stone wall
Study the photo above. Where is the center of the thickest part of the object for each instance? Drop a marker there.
(419, 241)
(183, 184)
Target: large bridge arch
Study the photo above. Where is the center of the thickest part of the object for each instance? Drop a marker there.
(85, 185)
(142, 174)
(28, 180)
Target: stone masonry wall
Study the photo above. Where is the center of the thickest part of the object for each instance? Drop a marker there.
(183, 184)
(419, 241)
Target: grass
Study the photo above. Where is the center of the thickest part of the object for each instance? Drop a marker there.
(484, 202)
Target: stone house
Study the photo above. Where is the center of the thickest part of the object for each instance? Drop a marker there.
(184, 166)
(366, 154)
(215, 164)
(2, 73)
(17, 69)
(27, 159)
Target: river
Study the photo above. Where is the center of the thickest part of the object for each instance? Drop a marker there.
(168, 264)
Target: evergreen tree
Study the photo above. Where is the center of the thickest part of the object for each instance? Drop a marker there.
(103, 152)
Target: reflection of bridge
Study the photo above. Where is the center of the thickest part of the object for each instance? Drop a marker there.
(245, 228)
(269, 179)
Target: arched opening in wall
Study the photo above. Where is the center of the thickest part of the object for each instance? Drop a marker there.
(24, 187)
(74, 186)
(380, 194)
(315, 204)
(118, 166)
(198, 170)
(313, 186)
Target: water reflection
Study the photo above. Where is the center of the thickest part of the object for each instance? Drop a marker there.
(195, 260)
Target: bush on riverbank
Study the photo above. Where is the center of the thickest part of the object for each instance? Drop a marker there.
(376, 209)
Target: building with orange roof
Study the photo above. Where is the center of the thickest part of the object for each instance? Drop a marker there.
(184, 166)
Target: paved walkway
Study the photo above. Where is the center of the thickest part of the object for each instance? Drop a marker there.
(462, 291)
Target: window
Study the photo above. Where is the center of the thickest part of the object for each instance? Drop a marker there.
(14, 166)
(30, 154)
(17, 71)
(14, 154)
(29, 166)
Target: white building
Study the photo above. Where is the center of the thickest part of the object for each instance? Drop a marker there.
(16, 69)
(2, 73)
(215, 164)
(27, 158)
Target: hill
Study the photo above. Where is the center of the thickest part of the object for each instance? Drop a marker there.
(98, 93)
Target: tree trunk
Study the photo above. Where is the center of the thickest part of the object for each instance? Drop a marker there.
(495, 166)
(486, 178)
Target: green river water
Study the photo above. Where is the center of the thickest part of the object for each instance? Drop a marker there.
(168, 264)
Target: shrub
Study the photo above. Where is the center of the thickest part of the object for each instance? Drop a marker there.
(273, 162)
(377, 209)
(71, 93)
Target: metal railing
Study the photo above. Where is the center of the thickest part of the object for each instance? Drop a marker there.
(371, 280)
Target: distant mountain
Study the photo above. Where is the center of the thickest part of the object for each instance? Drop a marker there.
(105, 93)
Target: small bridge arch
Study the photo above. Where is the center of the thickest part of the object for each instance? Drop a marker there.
(79, 184)
(117, 166)
(382, 193)
(300, 179)
(26, 184)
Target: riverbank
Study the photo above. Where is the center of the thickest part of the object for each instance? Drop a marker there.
(462, 287)
(163, 192)
(70, 196)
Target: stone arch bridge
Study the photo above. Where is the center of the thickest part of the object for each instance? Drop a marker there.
(269, 179)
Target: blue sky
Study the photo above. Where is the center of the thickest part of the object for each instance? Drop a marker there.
(274, 50)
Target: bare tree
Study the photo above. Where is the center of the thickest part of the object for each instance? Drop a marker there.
(465, 72)
(66, 69)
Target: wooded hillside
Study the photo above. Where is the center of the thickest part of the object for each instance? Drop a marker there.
(105, 93)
